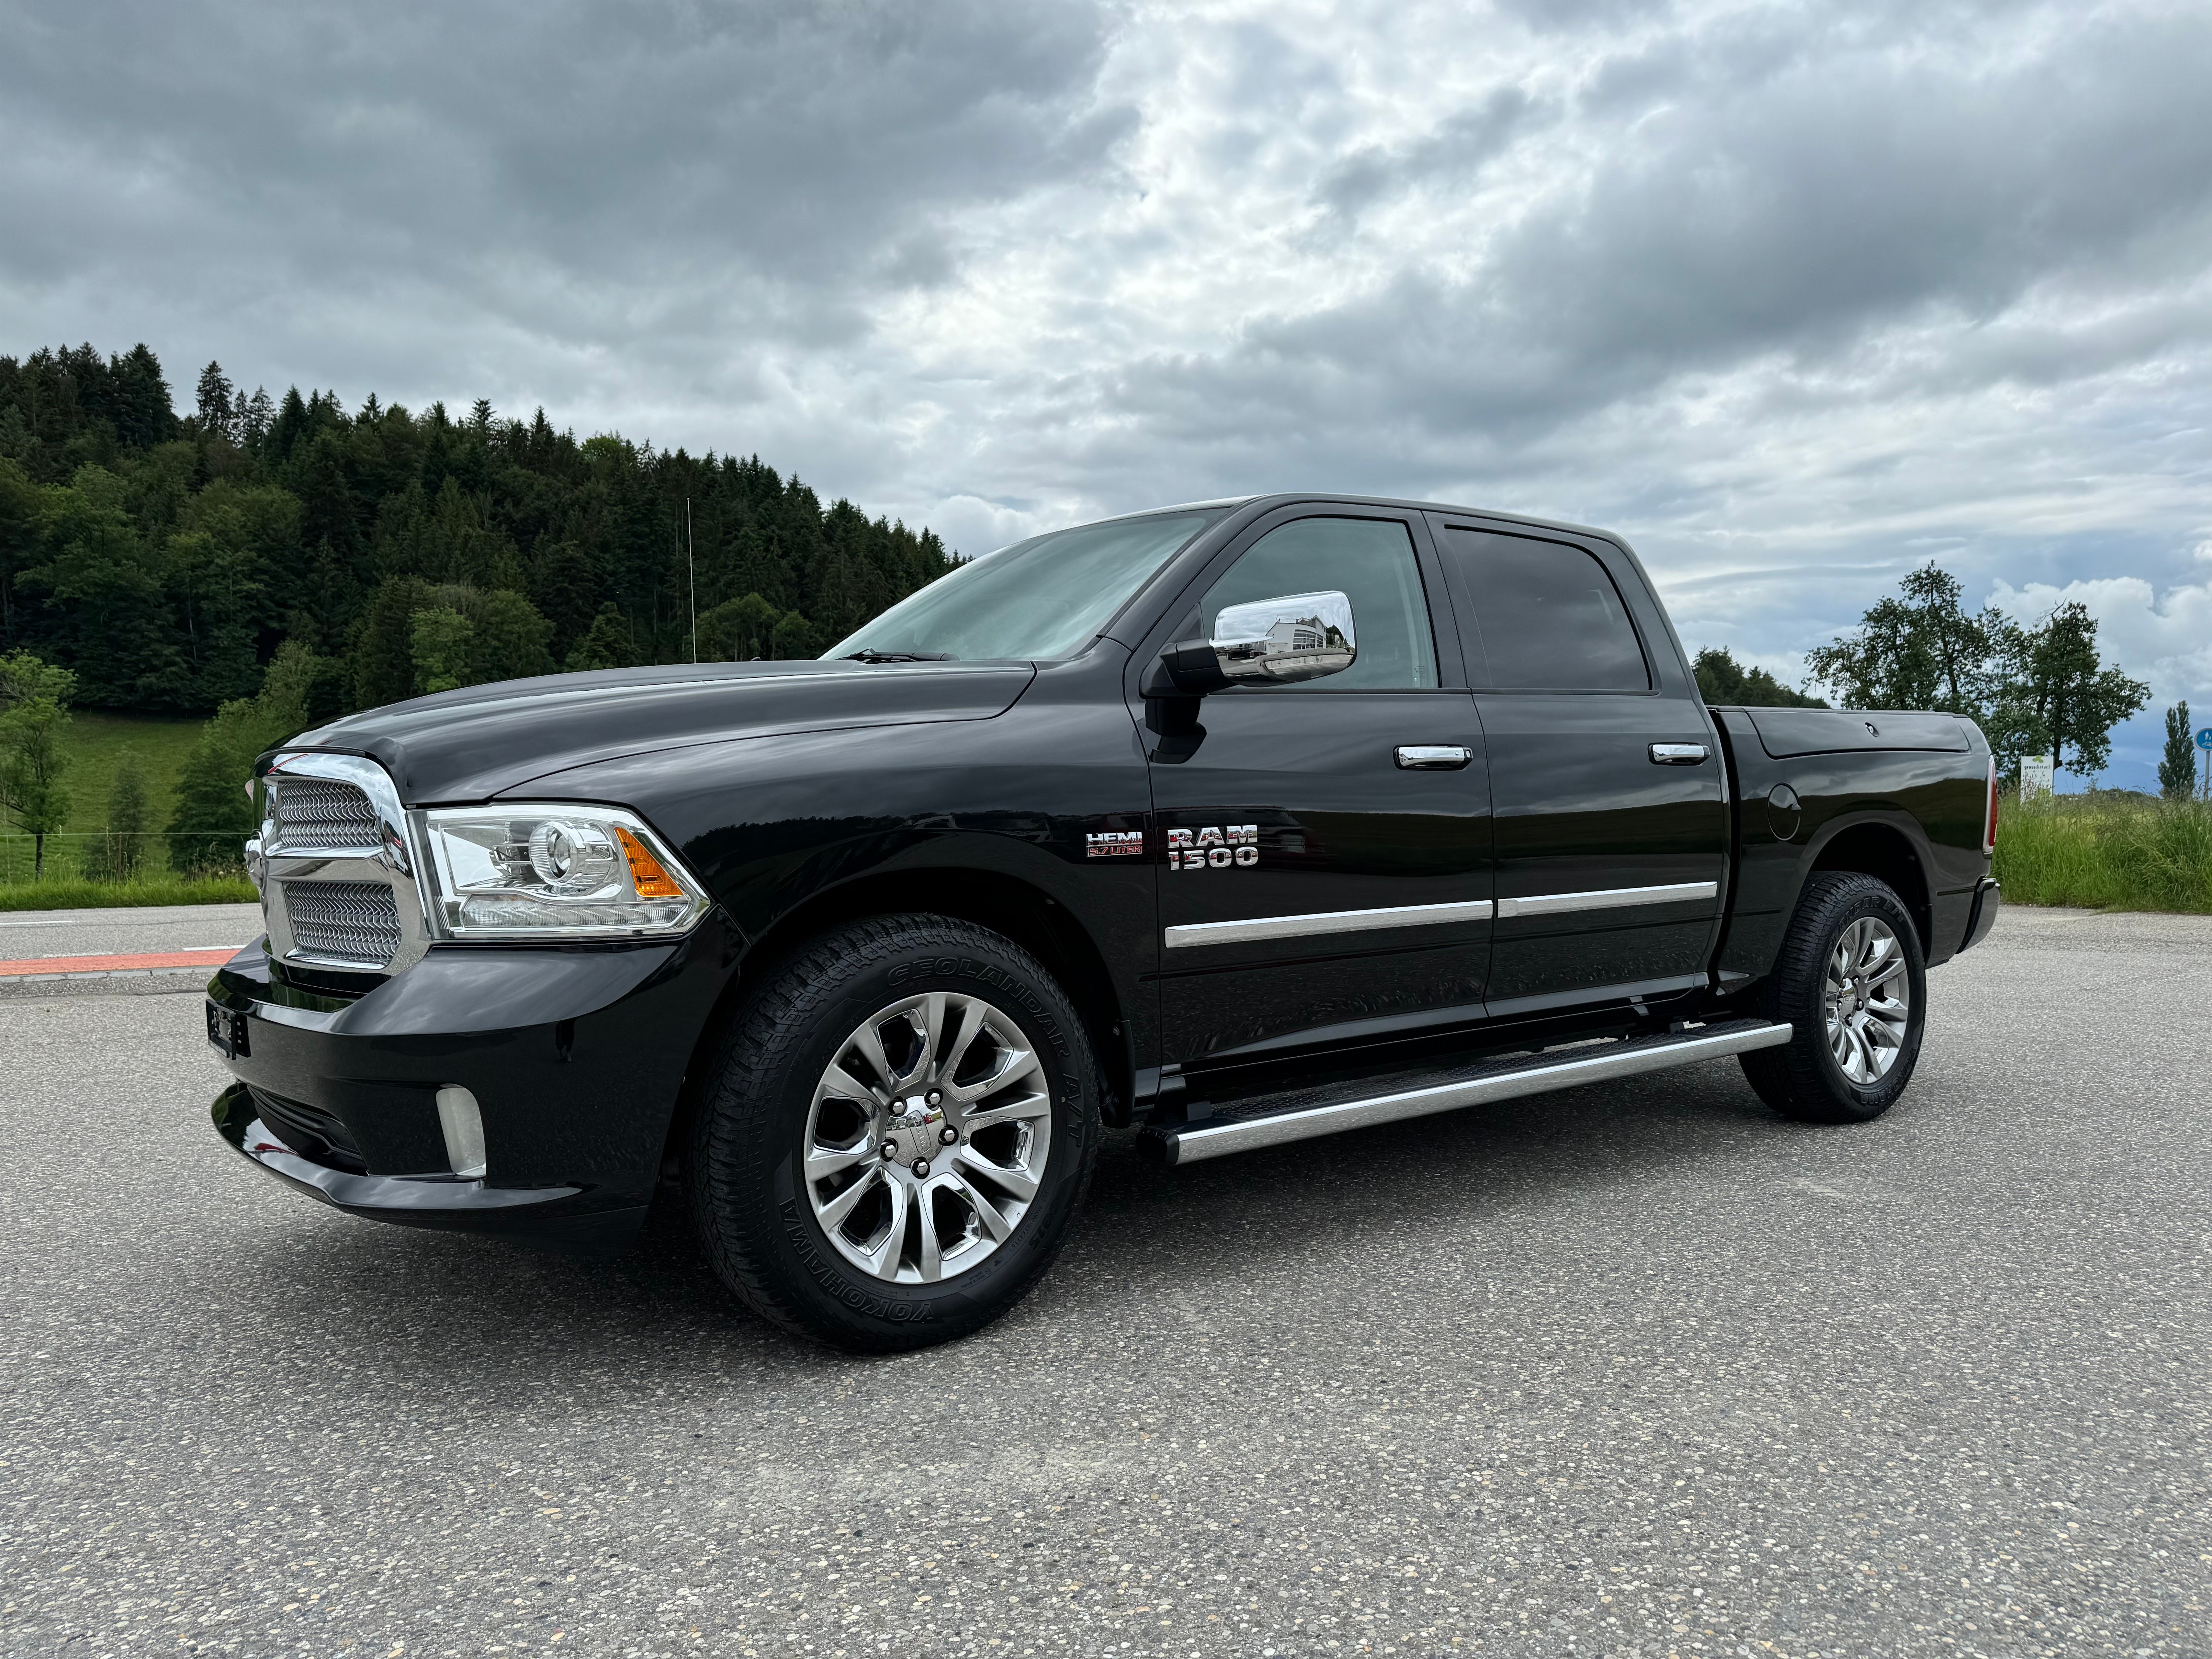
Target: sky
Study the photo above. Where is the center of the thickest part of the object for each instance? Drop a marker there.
(1796, 297)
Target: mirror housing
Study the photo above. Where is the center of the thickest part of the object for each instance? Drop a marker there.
(1279, 641)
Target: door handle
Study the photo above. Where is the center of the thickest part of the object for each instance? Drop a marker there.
(1677, 754)
(1433, 757)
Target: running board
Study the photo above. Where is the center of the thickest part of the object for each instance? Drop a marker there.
(1530, 1074)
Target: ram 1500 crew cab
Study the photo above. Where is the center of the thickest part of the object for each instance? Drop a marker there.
(1242, 823)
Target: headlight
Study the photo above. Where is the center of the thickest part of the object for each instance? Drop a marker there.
(554, 872)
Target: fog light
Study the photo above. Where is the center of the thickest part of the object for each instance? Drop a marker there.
(463, 1125)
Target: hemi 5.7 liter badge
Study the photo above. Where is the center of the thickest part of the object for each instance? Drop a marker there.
(1114, 844)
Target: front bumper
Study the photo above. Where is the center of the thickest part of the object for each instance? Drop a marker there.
(576, 1058)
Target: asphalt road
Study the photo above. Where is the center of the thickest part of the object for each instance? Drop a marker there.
(1636, 1370)
(27, 934)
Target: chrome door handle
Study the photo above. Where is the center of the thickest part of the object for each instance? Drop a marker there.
(1433, 757)
(1677, 754)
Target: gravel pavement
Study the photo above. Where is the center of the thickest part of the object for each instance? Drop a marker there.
(1637, 1369)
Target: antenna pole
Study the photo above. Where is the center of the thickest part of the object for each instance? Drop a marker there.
(691, 567)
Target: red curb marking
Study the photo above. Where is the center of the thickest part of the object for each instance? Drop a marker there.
(114, 964)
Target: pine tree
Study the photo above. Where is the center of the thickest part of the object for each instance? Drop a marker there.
(2176, 767)
(213, 397)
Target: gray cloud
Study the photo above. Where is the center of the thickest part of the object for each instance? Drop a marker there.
(1795, 295)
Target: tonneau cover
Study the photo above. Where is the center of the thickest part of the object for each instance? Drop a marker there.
(1784, 733)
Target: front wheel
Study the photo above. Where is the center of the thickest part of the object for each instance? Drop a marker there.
(899, 1136)
(1851, 982)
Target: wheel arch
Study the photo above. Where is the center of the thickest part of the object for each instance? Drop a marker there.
(1877, 845)
(1007, 905)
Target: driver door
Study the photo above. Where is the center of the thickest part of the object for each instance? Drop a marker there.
(1327, 881)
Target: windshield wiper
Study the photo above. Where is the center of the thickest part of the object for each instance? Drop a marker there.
(901, 656)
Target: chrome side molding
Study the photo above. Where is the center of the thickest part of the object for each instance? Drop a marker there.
(1323, 921)
(1196, 1142)
(1607, 898)
(1186, 934)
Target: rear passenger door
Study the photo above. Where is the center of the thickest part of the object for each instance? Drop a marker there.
(1609, 792)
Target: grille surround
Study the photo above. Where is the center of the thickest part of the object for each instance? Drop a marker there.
(322, 812)
(353, 923)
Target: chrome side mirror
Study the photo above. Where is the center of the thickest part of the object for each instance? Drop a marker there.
(1280, 641)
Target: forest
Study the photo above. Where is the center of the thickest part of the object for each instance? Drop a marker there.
(163, 559)
(266, 564)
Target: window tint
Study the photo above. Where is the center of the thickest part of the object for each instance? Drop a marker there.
(1369, 561)
(1548, 616)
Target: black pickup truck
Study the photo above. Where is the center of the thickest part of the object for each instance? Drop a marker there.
(1242, 823)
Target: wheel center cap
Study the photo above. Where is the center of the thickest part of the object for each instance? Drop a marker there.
(914, 1127)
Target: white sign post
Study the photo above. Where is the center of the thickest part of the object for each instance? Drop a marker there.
(2036, 775)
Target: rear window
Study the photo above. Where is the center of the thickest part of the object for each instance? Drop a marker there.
(1547, 616)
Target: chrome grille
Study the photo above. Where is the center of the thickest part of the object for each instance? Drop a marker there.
(322, 812)
(354, 921)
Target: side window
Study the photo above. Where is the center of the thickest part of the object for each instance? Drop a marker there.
(1371, 562)
(1549, 616)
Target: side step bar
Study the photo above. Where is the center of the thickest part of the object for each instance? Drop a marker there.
(1534, 1075)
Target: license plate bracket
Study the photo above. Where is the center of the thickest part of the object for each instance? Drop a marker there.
(227, 1031)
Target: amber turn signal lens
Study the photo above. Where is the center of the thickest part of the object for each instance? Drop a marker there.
(644, 872)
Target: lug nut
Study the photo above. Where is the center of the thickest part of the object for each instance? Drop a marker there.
(922, 1166)
(935, 1098)
(889, 1150)
(948, 1134)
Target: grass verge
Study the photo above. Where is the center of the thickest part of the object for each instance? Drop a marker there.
(2106, 851)
(69, 895)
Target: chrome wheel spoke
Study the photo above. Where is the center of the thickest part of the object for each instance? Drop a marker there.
(1018, 1182)
(835, 1211)
(883, 1259)
(971, 1022)
(823, 1162)
(930, 1256)
(869, 1040)
(987, 1212)
(1013, 1111)
(844, 1085)
(1018, 1064)
(928, 1023)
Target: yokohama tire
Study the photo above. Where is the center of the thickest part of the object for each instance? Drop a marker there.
(759, 1215)
(1804, 1079)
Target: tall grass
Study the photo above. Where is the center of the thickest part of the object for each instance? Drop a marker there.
(2107, 852)
(68, 893)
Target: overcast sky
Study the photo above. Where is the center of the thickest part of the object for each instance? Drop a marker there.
(1795, 296)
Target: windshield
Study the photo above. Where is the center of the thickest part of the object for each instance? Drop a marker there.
(1045, 598)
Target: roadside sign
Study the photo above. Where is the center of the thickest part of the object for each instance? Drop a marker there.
(2204, 738)
(2036, 775)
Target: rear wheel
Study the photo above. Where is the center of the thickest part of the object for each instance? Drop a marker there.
(899, 1136)
(1850, 981)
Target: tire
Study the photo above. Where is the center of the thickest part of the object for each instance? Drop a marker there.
(809, 1252)
(1822, 1074)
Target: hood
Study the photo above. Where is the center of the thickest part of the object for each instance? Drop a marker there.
(470, 745)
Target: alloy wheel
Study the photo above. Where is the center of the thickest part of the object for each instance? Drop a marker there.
(927, 1138)
(1867, 998)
